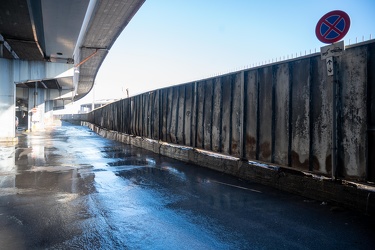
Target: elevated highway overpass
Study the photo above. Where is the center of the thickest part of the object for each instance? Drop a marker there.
(50, 53)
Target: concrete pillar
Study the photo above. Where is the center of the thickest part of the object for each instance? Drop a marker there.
(7, 100)
(15, 71)
(48, 114)
(36, 102)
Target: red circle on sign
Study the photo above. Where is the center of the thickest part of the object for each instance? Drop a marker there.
(333, 26)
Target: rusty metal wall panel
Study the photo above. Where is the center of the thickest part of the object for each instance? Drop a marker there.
(105, 117)
(112, 117)
(143, 115)
(227, 114)
(114, 122)
(282, 90)
(207, 127)
(164, 113)
(150, 117)
(300, 115)
(156, 121)
(251, 114)
(173, 114)
(200, 114)
(371, 112)
(108, 117)
(353, 79)
(194, 115)
(170, 136)
(121, 107)
(135, 115)
(120, 115)
(139, 115)
(97, 113)
(237, 112)
(217, 115)
(265, 114)
(147, 116)
(189, 99)
(127, 118)
(321, 117)
(93, 117)
(138, 101)
(102, 117)
(181, 115)
(132, 115)
(141, 112)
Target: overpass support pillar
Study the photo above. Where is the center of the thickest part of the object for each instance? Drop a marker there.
(7, 101)
(18, 71)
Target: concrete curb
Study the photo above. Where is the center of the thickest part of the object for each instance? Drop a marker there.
(355, 196)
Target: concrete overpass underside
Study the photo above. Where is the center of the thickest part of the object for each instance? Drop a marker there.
(50, 53)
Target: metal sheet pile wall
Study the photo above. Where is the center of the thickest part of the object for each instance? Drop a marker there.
(280, 113)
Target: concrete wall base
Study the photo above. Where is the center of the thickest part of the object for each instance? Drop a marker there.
(351, 195)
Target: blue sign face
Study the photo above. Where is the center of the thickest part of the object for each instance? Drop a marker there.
(333, 26)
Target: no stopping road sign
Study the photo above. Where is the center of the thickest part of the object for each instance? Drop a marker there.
(333, 26)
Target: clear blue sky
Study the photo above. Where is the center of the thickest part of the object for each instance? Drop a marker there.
(170, 42)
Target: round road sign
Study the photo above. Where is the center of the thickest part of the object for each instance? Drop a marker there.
(333, 26)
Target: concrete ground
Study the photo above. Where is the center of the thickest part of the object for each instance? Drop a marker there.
(68, 188)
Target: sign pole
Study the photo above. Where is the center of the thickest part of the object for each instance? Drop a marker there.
(334, 120)
(331, 28)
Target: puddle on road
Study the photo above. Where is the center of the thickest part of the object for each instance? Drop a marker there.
(70, 179)
(129, 162)
(113, 153)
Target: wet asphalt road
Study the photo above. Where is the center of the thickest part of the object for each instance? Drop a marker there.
(68, 188)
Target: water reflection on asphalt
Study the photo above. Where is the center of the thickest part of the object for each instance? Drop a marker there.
(68, 188)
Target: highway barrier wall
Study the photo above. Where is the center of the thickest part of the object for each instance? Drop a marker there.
(289, 114)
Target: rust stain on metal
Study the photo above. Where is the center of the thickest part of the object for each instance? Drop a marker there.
(329, 164)
(250, 141)
(199, 139)
(250, 147)
(297, 163)
(315, 163)
(234, 147)
(265, 149)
